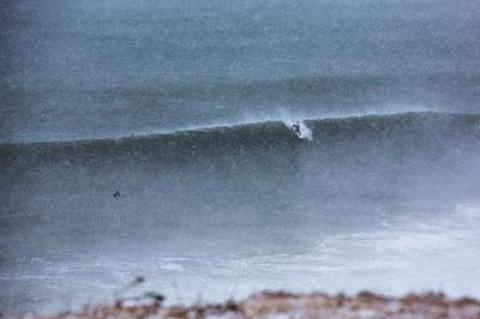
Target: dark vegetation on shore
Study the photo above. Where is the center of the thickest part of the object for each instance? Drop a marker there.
(282, 305)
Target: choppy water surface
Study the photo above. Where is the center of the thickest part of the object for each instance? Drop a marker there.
(152, 139)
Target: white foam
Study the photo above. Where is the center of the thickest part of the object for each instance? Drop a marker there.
(304, 131)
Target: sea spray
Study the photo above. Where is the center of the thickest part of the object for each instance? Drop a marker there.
(299, 128)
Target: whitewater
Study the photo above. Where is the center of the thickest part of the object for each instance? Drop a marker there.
(222, 148)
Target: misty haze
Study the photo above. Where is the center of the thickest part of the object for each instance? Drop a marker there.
(220, 148)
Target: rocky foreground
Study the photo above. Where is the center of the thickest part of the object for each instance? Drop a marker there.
(284, 306)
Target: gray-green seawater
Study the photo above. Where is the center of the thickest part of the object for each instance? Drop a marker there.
(183, 108)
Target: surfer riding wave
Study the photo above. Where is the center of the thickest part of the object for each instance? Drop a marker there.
(300, 129)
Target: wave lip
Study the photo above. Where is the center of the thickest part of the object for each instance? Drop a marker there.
(271, 131)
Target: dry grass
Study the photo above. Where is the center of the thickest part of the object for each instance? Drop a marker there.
(281, 305)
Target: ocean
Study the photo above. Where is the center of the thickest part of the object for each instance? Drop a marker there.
(154, 139)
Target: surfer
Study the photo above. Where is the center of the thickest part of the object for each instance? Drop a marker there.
(296, 129)
(116, 194)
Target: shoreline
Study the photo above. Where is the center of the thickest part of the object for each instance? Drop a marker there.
(283, 305)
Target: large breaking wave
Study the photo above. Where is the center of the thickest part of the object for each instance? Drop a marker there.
(252, 189)
(267, 134)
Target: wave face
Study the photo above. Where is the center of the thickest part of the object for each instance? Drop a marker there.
(269, 135)
(171, 204)
(246, 174)
(66, 114)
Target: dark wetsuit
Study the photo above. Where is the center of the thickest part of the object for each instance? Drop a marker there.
(296, 129)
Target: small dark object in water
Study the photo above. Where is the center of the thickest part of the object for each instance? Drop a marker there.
(139, 280)
(116, 194)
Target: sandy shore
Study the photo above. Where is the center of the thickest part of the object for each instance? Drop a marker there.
(280, 305)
